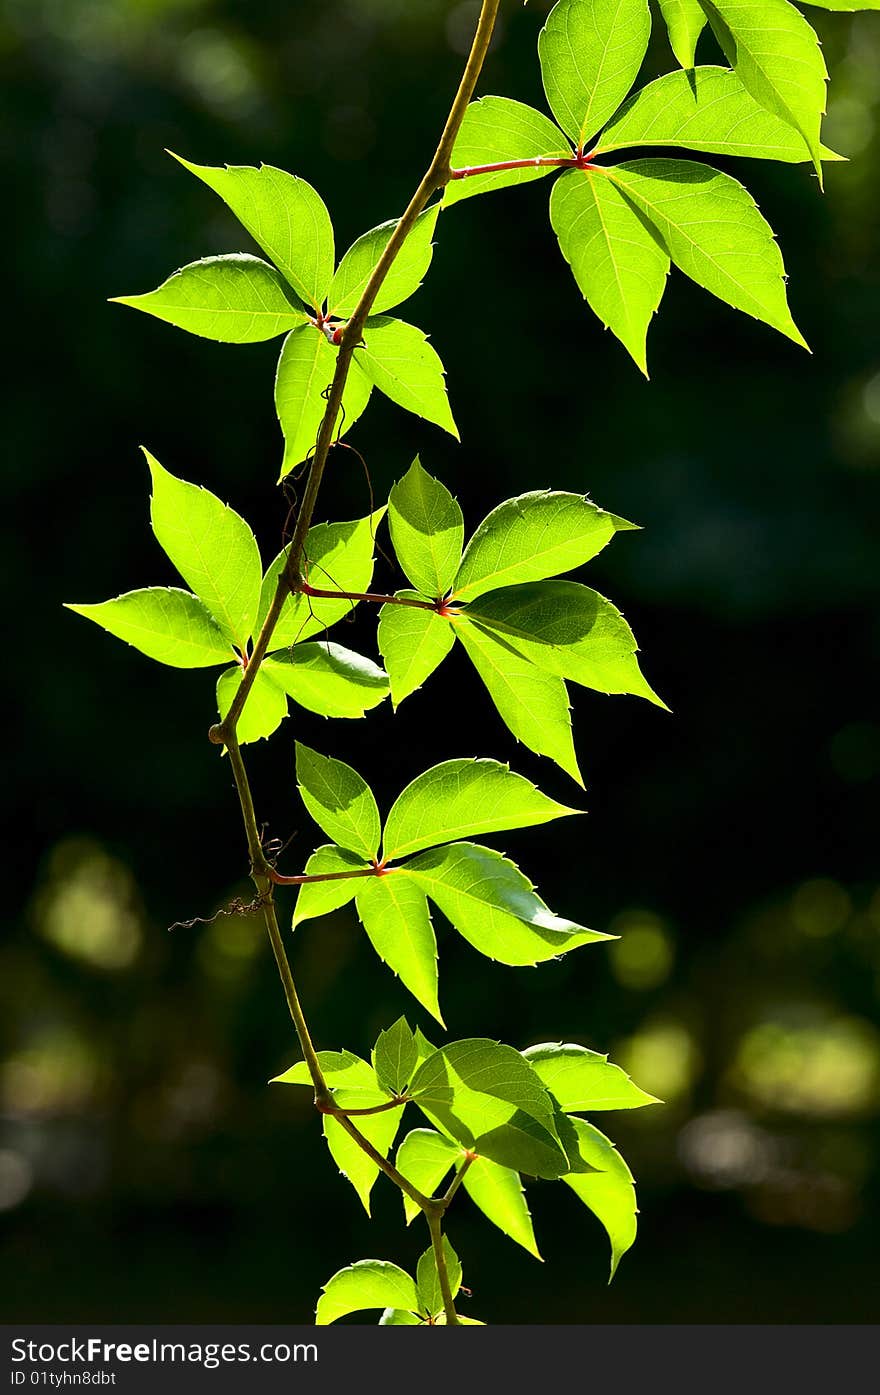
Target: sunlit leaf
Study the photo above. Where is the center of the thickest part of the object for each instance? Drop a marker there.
(428, 1279)
(424, 1157)
(305, 372)
(371, 1283)
(397, 359)
(498, 1191)
(685, 22)
(591, 52)
(318, 898)
(339, 801)
(582, 1080)
(264, 710)
(168, 625)
(427, 530)
(328, 679)
(338, 557)
(395, 1056)
(352, 1161)
(237, 299)
(495, 130)
(395, 916)
(406, 274)
(607, 1191)
(412, 642)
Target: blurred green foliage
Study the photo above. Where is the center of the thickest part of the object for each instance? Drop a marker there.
(146, 1170)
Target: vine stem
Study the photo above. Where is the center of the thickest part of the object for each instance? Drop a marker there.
(224, 733)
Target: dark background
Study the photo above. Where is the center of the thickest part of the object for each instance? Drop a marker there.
(146, 1171)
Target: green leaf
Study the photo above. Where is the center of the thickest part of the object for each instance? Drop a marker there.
(617, 262)
(284, 216)
(583, 1080)
(397, 359)
(427, 530)
(685, 22)
(396, 1317)
(591, 52)
(706, 109)
(407, 271)
(534, 705)
(532, 536)
(489, 901)
(353, 1081)
(569, 630)
(412, 644)
(353, 1163)
(499, 1194)
(164, 623)
(319, 898)
(339, 801)
(495, 130)
(264, 711)
(338, 557)
(395, 1056)
(714, 233)
(460, 798)
(608, 1191)
(424, 1157)
(213, 549)
(395, 916)
(777, 58)
(327, 679)
(237, 299)
(305, 371)
(848, 6)
(428, 1279)
(370, 1283)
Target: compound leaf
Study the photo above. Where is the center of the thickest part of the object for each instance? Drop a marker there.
(168, 625)
(397, 358)
(305, 371)
(459, 798)
(591, 52)
(407, 271)
(395, 916)
(427, 530)
(340, 801)
(495, 130)
(328, 679)
(237, 299)
(264, 711)
(370, 1283)
(582, 1080)
(284, 216)
(337, 557)
(498, 1191)
(412, 642)
(318, 898)
(395, 1056)
(607, 1190)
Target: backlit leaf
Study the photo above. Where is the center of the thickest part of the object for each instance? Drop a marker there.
(412, 643)
(424, 1157)
(591, 52)
(427, 530)
(338, 557)
(495, 130)
(371, 1283)
(318, 898)
(264, 711)
(407, 271)
(339, 801)
(395, 1056)
(582, 1080)
(352, 1161)
(499, 1194)
(608, 1191)
(328, 679)
(395, 916)
(428, 1279)
(685, 22)
(305, 371)
(168, 625)
(237, 299)
(397, 359)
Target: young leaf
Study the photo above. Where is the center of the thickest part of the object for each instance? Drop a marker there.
(305, 371)
(608, 1191)
(395, 916)
(460, 798)
(353, 1081)
(777, 58)
(397, 359)
(428, 1279)
(495, 130)
(685, 22)
(499, 1194)
(424, 1157)
(327, 679)
(533, 536)
(213, 549)
(395, 1056)
(236, 298)
(337, 557)
(339, 801)
(353, 1163)
(407, 271)
(370, 1283)
(166, 624)
(264, 710)
(533, 704)
(707, 109)
(618, 263)
(569, 630)
(319, 898)
(489, 901)
(427, 530)
(285, 216)
(412, 644)
(714, 233)
(591, 52)
(579, 1079)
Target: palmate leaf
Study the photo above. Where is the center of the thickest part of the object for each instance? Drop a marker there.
(370, 1283)
(319, 898)
(428, 1279)
(337, 557)
(404, 277)
(284, 216)
(171, 626)
(533, 536)
(460, 798)
(427, 530)
(397, 358)
(493, 905)
(395, 1056)
(328, 679)
(607, 1190)
(582, 1080)
(339, 801)
(264, 711)
(495, 130)
(711, 227)
(591, 52)
(617, 262)
(237, 299)
(776, 56)
(709, 110)
(394, 913)
(305, 371)
(412, 644)
(685, 21)
(213, 549)
(567, 629)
